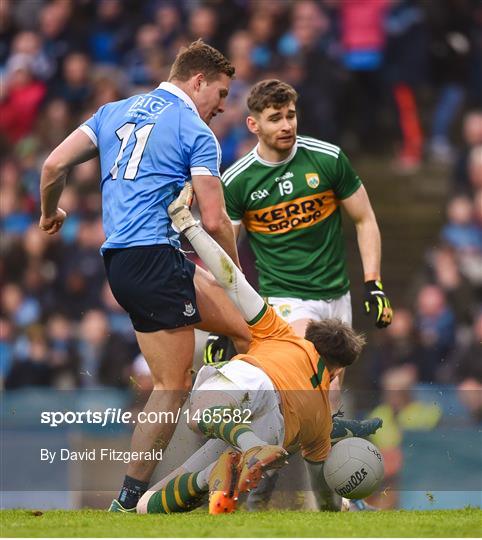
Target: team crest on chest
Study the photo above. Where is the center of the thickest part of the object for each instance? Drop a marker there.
(312, 179)
(285, 310)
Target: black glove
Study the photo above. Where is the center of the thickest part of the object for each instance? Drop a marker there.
(375, 297)
(218, 348)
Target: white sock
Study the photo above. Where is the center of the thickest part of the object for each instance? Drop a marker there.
(249, 440)
(227, 274)
(202, 479)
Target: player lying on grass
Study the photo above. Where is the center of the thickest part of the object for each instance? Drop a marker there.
(281, 384)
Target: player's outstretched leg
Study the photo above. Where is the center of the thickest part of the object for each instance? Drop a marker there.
(182, 493)
(258, 456)
(185, 491)
(223, 483)
(227, 274)
(224, 422)
(256, 462)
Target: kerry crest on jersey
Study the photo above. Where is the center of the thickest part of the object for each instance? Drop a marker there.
(312, 179)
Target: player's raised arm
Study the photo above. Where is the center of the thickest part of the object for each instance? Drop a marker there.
(246, 299)
(210, 199)
(75, 149)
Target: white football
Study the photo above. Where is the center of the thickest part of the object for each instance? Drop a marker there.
(354, 468)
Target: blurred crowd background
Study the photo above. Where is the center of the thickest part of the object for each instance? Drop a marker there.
(396, 83)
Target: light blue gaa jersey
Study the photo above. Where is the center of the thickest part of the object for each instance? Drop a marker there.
(149, 145)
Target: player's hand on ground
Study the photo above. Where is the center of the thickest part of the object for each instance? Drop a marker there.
(218, 348)
(376, 301)
(52, 224)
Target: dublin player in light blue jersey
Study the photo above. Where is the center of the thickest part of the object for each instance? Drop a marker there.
(148, 146)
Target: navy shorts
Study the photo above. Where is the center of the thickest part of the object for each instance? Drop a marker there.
(154, 284)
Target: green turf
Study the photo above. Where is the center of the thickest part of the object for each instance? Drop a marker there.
(58, 523)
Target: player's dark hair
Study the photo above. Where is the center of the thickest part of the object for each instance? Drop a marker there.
(270, 93)
(335, 341)
(200, 57)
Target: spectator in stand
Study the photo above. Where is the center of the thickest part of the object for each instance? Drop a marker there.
(8, 30)
(363, 41)
(306, 45)
(25, 12)
(405, 65)
(475, 168)
(469, 231)
(459, 292)
(33, 369)
(475, 83)
(39, 269)
(110, 34)
(58, 39)
(232, 16)
(472, 137)
(461, 232)
(106, 87)
(63, 357)
(30, 44)
(140, 61)
(104, 357)
(24, 94)
(468, 372)
(261, 28)
(75, 87)
(168, 19)
(396, 347)
(469, 392)
(450, 47)
(70, 202)
(6, 348)
(83, 274)
(27, 152)
(54, 123)
(240, 49)
(203, 23)
(230, 128)
(21, 309)
(478, 208)
(435, 323)
(308, 24)
(399, 412)
(15, 208)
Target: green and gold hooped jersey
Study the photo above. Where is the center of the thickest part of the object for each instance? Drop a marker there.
(291, 213)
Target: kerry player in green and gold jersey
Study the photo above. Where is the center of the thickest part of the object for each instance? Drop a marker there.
(288, 193)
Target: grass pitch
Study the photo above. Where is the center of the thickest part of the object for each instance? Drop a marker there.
(96, 523)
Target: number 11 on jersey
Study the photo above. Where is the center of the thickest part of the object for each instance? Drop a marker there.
(124, 134)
